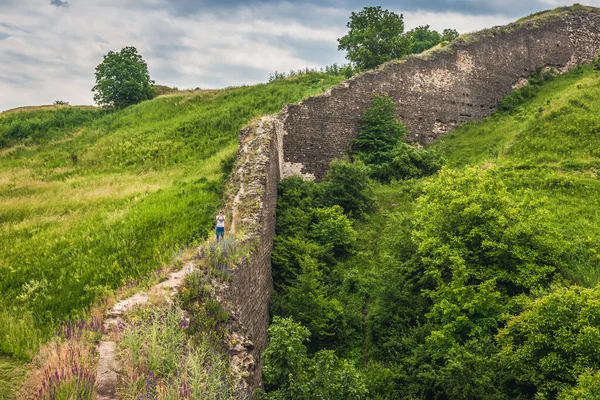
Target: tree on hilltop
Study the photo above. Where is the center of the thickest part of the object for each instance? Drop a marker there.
(122, 79)
(376, 36)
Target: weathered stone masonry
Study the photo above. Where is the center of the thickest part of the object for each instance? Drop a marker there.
(253, 201)
(434, 93)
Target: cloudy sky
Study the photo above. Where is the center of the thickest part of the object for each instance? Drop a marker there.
(49, 48)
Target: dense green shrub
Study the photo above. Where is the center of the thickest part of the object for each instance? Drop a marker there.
(381, 147)
(291, 374)
(547, 347)
(596, 63)
(514, 99)
(348, 185)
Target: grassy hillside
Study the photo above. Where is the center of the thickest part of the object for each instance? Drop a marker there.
(549, 146)
(90, 201)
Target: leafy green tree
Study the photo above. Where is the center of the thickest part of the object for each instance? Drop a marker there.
(291, 374)
(334, 378)
(553, 343)
(479, 251)
(448, 35)
(374, 37)
(587, 388)
(423, 38)
(348, 185)
(380, 130)
(333, 230)
(380, 145)
(468, 227)
(122, 79)
(306, 299)
(286, 359)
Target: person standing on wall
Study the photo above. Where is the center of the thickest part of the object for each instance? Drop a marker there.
(220, 226)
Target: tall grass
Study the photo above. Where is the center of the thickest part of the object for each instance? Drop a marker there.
(162, 362)
(98, 200)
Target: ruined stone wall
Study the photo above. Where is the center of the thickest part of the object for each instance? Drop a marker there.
(436, 92)
(253, 203)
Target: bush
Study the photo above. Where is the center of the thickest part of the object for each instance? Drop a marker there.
(553, 342)
(381, 147)
(291, 374)
(596, 63)
(477, 249)
(348, 185)
(519, 96)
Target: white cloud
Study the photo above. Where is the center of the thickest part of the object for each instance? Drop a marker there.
(49, 53)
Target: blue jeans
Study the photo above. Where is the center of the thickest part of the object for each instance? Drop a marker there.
(220, 232)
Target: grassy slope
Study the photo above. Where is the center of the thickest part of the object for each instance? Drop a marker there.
(12, 373)
(550, 145)
(146, 183)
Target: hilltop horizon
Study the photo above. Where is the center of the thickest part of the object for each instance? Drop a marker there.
(51, 50)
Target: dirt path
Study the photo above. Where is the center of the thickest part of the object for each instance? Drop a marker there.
(107, 374)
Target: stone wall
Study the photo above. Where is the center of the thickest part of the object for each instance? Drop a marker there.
(436, 92)
(254, 196)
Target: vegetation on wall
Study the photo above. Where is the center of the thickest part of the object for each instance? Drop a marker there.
(381, 146)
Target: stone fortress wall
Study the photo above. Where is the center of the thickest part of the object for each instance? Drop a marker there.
(434, 93)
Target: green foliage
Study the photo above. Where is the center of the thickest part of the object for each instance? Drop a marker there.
(380, 129)
(333, 231)
(348, 185)
(422, 38)
(380, 145)
(291, 374)
(344, 70)
(469, 229)
(313, 237)
(286, 359)
(374, 37)
(587, 388)
(122, 79)
(596, 63)
(307, 300)
(519, 96)
(553, 342)
(161, 361)
(447, 262)
(449, 35)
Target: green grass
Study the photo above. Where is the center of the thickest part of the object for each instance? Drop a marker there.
(90, 201)
(12, 373)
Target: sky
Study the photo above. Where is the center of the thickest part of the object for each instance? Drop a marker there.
(49, 48)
